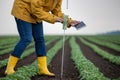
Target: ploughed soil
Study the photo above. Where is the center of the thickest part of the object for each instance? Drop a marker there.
(6, 55)
(69, 73)
(107, 68)
(25, 61)
(69, 70)
(109, 50)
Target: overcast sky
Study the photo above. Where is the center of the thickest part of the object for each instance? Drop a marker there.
(99, 15)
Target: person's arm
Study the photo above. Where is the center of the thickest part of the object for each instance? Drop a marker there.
(58, 12)
(37, 11)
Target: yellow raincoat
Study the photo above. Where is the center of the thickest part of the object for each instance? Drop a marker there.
(34, 11)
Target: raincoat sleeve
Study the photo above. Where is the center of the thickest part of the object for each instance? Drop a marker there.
(40, 14)
(58, 12)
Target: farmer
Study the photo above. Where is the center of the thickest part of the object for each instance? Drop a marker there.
(29, 15)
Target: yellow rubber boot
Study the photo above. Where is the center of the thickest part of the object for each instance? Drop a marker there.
(42, 64)
(11, 65)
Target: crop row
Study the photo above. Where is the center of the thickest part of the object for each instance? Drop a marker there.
(104, 54)
(26, 72)
(7, 46)
(26, 53)
(108, 38)
(11, 46)
(10, 49)
(104, 43)
(8, 40)
(87, 70)
(13, 39)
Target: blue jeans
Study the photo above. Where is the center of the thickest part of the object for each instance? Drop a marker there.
(26, 30)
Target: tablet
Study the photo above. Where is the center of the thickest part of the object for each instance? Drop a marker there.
(80, 25)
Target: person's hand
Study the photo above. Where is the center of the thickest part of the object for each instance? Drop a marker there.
(74, 23)
(59, 20)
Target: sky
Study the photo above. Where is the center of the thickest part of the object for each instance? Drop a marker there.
(100, 16)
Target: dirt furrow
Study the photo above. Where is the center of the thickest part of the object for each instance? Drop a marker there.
(111, 51)
(70, 72)
(107, 68)
(6, 55)
(25, 61)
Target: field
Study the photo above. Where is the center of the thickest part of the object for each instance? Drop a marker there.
(87, 57)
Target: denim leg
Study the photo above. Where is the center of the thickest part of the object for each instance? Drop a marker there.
(38, 35)
(25, 33)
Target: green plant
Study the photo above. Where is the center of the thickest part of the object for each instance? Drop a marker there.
(104, 54)
(86, 69)
(26, 72)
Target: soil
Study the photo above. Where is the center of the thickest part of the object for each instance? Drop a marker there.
(107, 68)
(117, 43)
(69, 70)
(4, 56)
(25, 61)
(109, 50)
